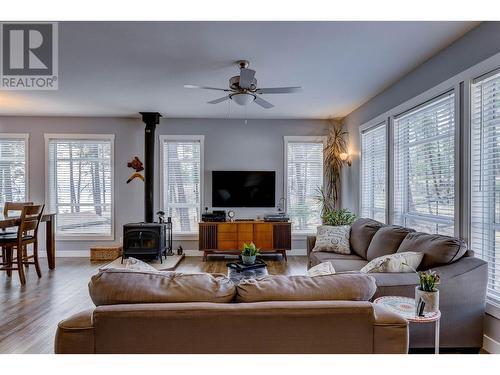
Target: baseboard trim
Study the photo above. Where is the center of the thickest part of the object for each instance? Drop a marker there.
(490, 345)
(68, 254)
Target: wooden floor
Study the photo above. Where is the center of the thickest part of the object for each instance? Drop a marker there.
(29, 314)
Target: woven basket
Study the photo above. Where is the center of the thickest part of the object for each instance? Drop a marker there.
(105, 253)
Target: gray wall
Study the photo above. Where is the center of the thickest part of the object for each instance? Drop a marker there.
(474, 47)
(229, 145)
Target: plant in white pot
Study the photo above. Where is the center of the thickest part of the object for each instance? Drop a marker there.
(426, 291)
(249, 253)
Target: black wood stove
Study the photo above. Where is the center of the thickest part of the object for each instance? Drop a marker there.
(149, 239)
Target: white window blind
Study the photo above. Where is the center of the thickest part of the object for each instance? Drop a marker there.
(374, 172)
(424, 165)
(485, 177)
(80, 185)
(304, 177)
(13, 181)
(182, 190)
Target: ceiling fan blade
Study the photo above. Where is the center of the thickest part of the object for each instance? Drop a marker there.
(246, 77)
(263, 103)
(220, 100)
(279, 90)
(203, 87)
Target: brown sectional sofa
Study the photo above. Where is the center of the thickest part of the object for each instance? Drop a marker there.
(141, 312)
(463, 278)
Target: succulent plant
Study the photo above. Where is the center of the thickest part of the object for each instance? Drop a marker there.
(249, 249)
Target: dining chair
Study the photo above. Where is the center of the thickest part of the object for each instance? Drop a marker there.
(11, 209)
(27, 234)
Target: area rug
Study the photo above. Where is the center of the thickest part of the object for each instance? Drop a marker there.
(168, 264)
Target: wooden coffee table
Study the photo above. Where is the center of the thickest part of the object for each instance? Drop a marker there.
(405, 307)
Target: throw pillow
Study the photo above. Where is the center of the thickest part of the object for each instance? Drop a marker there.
(399, 262)
(333, 239)
(131, 264)
(138, 265)
(325, 268)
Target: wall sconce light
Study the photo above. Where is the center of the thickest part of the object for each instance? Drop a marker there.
(347, 158)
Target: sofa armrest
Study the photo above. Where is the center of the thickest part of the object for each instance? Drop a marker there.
(390, 332)
(311, 241)
(75, 335)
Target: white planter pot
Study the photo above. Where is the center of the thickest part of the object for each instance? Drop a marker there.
(431, 300)
(248, 259)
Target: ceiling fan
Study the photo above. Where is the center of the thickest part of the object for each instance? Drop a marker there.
(243, 88)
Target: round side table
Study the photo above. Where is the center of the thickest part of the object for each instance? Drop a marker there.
(405, 307)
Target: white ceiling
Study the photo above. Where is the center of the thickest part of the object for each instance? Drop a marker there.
(121, 68)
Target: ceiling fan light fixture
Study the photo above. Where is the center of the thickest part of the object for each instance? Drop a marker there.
(242, 98)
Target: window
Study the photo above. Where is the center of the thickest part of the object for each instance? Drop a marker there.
(424, 167)
(80, 184)
(485, 177)
(182, 181)
(13, 168)
(374, 172)
(304, 176)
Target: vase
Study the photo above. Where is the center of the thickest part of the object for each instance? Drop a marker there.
(248, 259)
(431, 300)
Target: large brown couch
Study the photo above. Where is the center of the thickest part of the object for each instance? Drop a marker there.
(463, 278)
(141, 312)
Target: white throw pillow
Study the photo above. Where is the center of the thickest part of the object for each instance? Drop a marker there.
(138, 265)
(394, 263)
(325, 268)
(333, 239)
(131, 264)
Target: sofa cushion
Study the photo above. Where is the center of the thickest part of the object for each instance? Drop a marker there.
(346, 265)
(352, 287)
(438, 249)
(340, 262)
(120, 286)
(362, 232)
(386, 241)
(322, 256)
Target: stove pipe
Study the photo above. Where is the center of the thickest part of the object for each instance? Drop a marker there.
(151, 119)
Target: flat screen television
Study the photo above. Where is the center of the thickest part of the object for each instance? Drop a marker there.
(243, 188)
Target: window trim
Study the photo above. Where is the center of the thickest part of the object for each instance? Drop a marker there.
(26, 138)
(190, 138)
(83, 136)
(303, 139)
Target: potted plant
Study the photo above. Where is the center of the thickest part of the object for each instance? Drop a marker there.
(427, 291)
(249, 253)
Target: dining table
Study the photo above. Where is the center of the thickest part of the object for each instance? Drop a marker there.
(50, 236)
